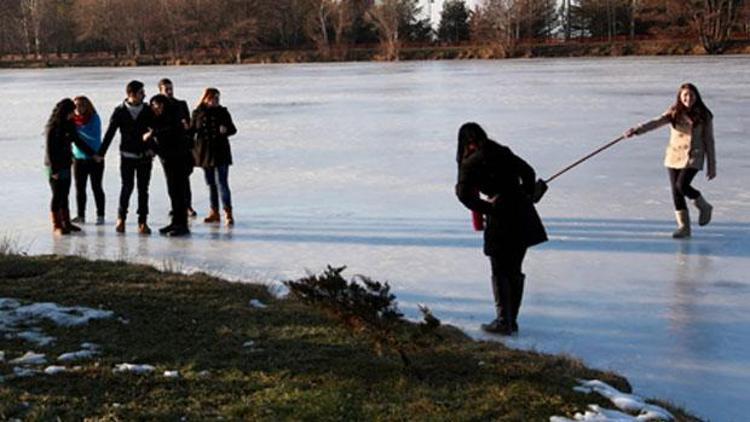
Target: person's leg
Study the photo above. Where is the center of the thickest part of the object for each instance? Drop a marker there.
(65, 193)
(80, 174)
(188, 189)
(175, 175)
(143, 176)
(501, 290)
(704, 207)
(517, 281)
(226, 194)
(97, 175)
(213, 195)
(676, 181)
(127, 180)
(56, 206)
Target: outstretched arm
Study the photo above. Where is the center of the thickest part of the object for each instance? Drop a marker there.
(110, 134)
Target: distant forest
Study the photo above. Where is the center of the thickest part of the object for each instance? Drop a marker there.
(35, 29)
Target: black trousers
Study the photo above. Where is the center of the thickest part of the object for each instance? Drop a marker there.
(60, 190)
(680, 180)
(176, 173)
(132, 169)
(82, 171)
(507, 282)
(189, 164)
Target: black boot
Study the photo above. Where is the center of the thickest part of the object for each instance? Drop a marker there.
(503, 307)
(516, 300)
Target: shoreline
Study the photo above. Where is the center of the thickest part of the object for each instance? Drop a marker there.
(372, 54)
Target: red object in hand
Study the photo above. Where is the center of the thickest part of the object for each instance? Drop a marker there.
(477, 219)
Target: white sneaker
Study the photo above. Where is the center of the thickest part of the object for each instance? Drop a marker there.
(99, 220)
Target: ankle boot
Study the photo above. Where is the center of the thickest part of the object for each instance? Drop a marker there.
(120, 225)
(212, 217)
(683, 224)
(228, 217)
(705, 210)
(57, 226)
(66, 221)
(516, 301)
(143, 227)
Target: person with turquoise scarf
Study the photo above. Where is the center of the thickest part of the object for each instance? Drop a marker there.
(89, 128)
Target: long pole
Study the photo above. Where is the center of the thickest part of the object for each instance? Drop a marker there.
(602, 148)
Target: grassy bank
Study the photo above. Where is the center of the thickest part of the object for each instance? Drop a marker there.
(568, 49)
(302, 365)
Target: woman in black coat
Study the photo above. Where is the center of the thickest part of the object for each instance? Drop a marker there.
(212, 126)
(61, 134)
(513, 224)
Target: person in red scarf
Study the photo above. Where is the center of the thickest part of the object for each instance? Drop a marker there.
(89, 128)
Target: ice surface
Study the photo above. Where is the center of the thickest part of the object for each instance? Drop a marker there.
(354, 164)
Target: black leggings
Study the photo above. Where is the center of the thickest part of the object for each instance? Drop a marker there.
(60, 191)
(680, 180)
(507, 282)
(82, 170)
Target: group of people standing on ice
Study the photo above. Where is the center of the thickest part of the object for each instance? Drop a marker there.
(500, 186)
(163, 127)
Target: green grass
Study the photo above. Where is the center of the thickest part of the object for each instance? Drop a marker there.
(303, 367)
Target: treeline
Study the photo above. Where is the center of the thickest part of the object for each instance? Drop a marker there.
(131, 28)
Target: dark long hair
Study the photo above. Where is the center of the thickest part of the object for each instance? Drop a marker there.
(59, 116)
(698, 113)
(469, 133)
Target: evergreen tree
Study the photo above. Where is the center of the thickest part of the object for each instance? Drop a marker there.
(454, 22)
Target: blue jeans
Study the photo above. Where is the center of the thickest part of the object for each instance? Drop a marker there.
(222, 172)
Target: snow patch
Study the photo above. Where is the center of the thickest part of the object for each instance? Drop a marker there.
(30, 358)
(630, 403)
(54, 370)
(255, 303)
(21, 372)
(171, 374)
(20, 321)
(133, 368)
(2, 356)
(75, 356)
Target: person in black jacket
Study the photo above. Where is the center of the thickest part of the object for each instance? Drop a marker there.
(180, 107)
(212, 125)
(60, 135)
(167, 137)
(132, 118)
(513, 224)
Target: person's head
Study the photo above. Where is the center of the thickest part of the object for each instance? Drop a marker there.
(84, 106)
(64, 111)
(471, 137)
(135, 91)
(166, 87)
(210, 98)
(690, 103)
(159, 104)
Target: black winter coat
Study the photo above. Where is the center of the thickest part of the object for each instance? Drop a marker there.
(58, 153)
(211, 147)
(168, 138)
(512, 220)
(131, 131)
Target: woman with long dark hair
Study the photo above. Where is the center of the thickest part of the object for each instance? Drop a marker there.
(512, 223)
(60, 135)
(212, 125)
(691, 143)
(89, 127)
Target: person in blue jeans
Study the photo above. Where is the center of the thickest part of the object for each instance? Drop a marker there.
(212, 126)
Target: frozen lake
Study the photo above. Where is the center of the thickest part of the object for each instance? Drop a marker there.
(353, 164)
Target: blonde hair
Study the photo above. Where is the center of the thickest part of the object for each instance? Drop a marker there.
(88, 106)
(208, 94)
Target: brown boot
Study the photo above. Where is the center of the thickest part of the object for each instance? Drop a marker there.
(213, 216)
(57, 226)
(120, 225)
(66, 221)
(228, 217)
(143, 228)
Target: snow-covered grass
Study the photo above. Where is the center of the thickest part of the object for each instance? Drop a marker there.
(193, 348)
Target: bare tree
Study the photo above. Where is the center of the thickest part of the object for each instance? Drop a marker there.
(714, 20)
(494, 22)
(386, 16)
